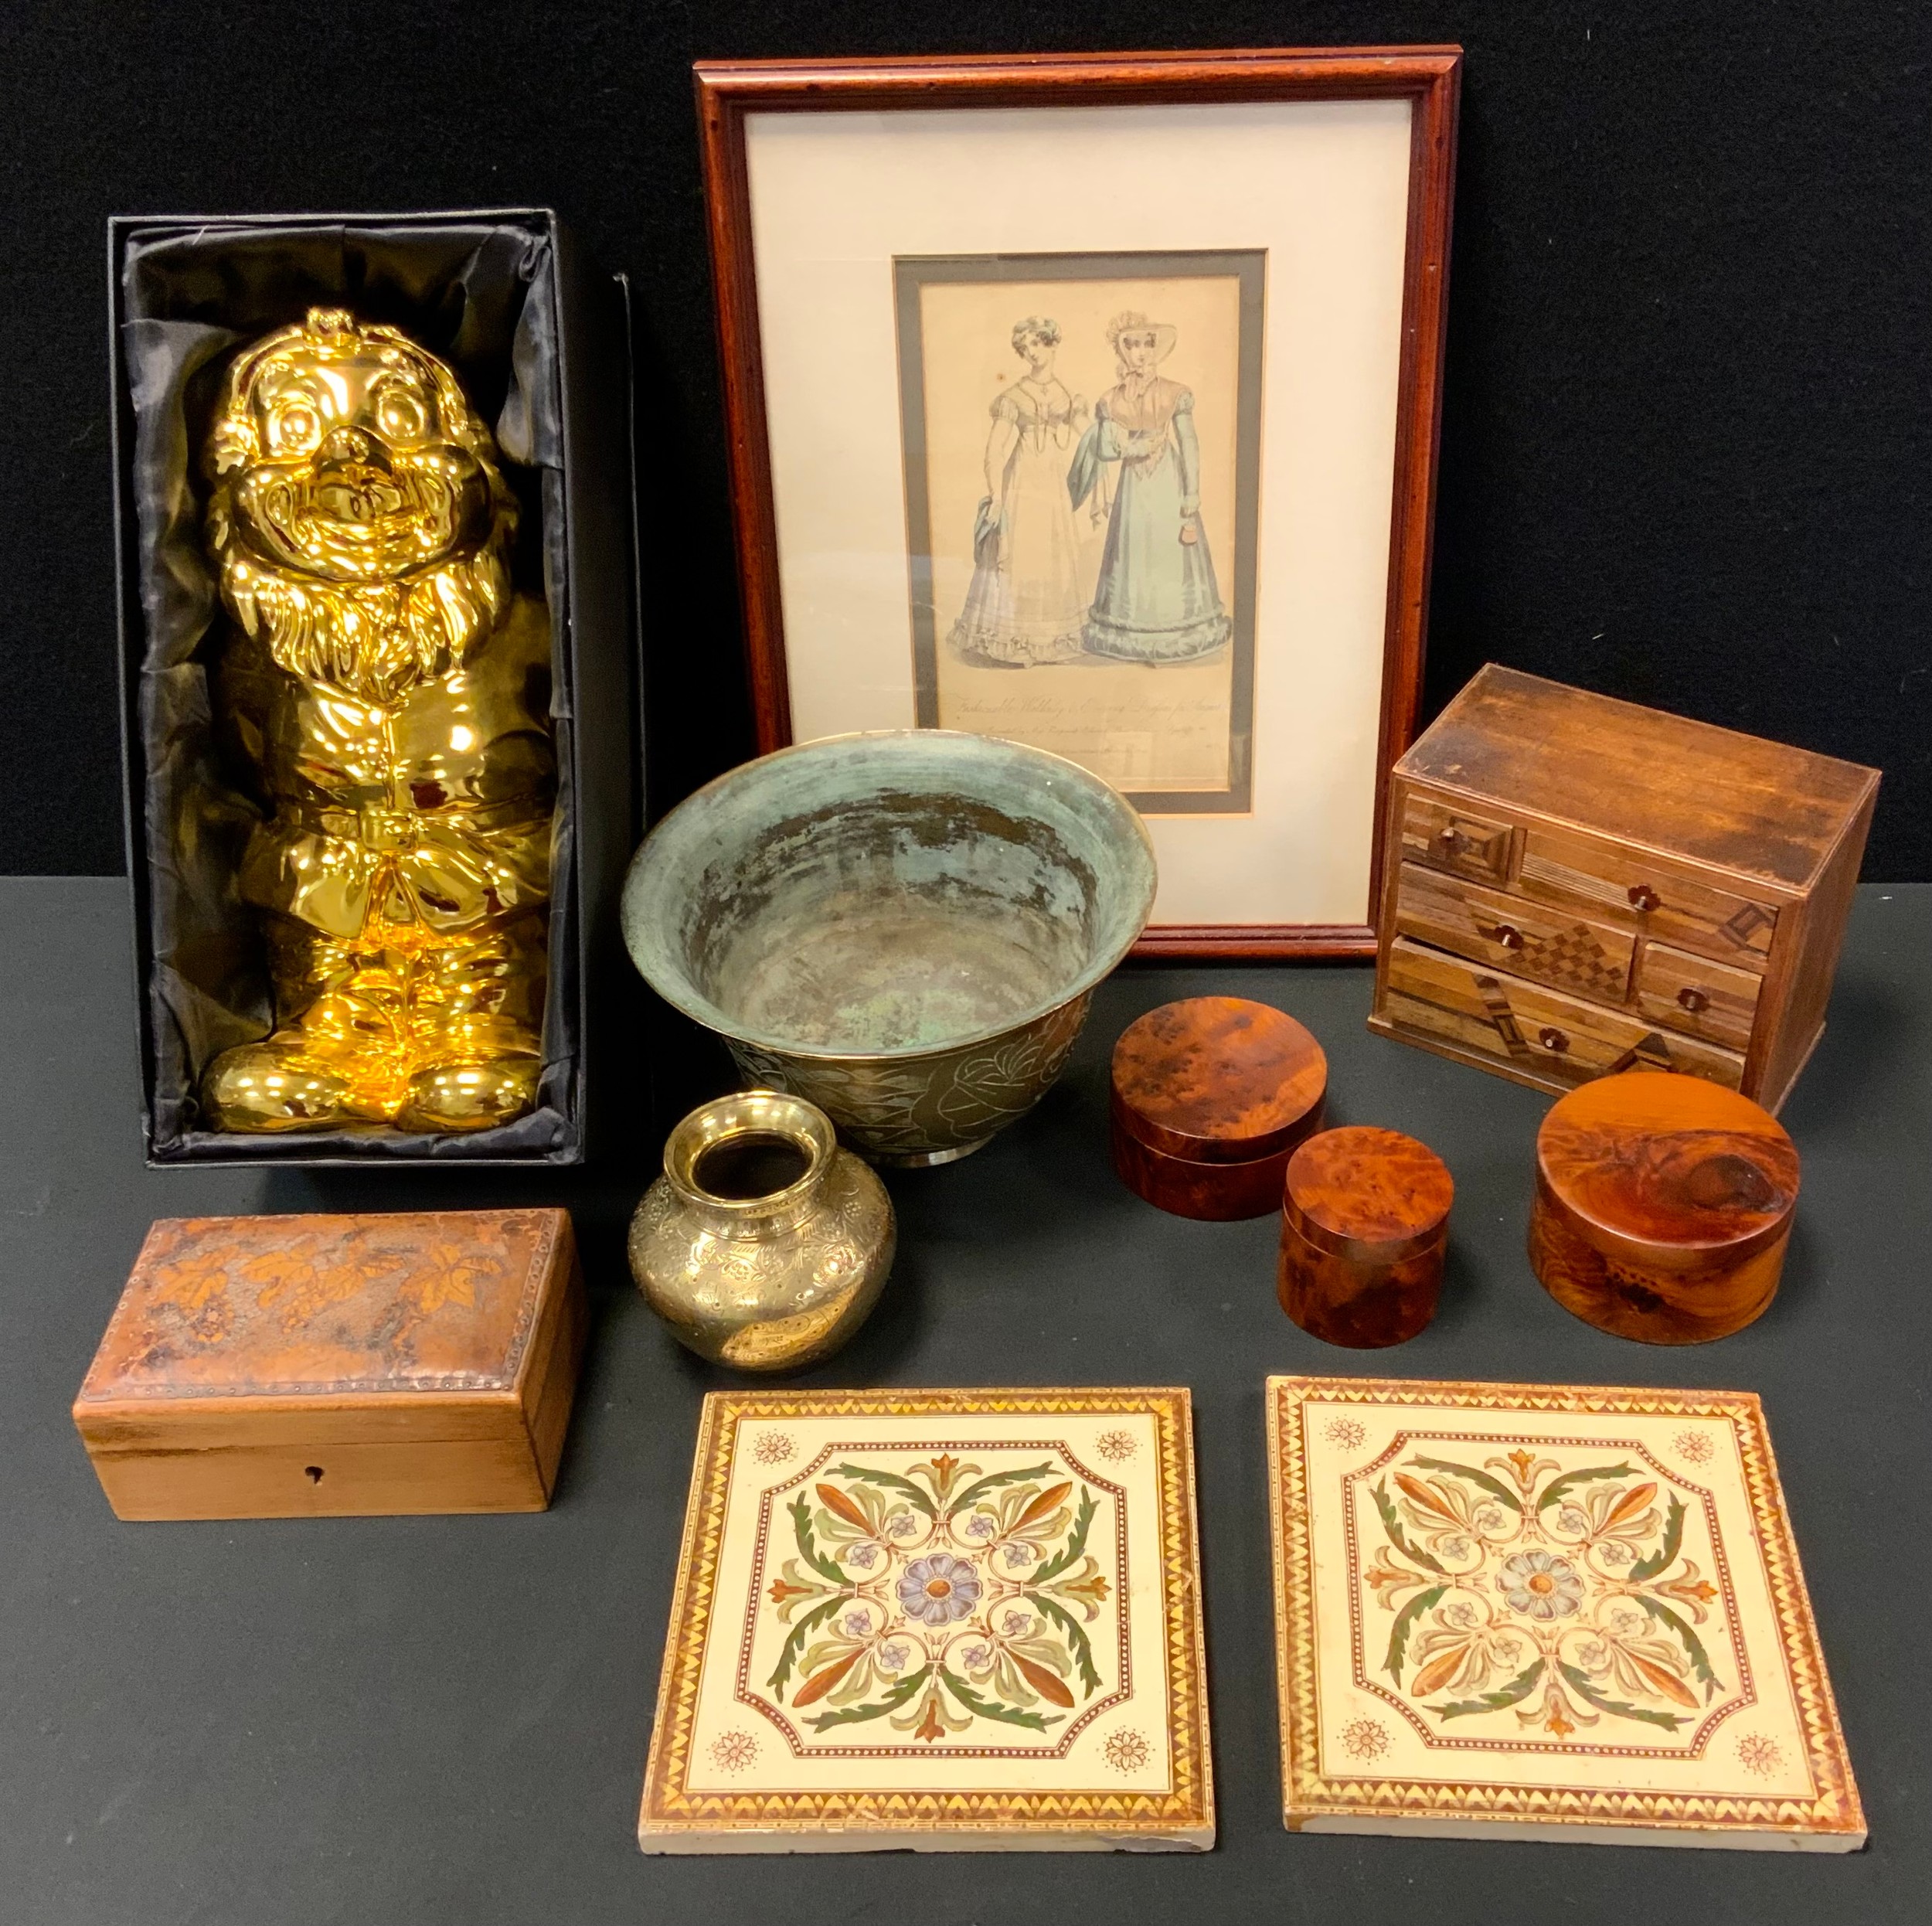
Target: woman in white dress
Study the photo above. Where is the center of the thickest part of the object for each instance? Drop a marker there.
(1025, 603)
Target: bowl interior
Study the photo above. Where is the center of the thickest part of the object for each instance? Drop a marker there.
(888, 894)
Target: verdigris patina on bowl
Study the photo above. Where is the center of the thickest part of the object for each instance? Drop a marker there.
(904, 927)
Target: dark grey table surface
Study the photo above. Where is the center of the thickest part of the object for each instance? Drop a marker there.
(445, 1720)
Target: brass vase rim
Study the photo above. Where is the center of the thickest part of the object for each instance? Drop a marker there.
(691, 1002)
(751, 1113)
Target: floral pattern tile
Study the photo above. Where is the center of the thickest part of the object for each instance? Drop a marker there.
(946, 1616)
(1515, 1610)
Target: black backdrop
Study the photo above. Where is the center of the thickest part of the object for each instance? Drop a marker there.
(1684, 445)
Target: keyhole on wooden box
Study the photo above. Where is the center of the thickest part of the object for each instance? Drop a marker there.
(313, 1473)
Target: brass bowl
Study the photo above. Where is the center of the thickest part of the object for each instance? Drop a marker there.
(904, 927)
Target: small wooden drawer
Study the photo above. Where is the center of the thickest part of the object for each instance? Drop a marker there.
(1554, 1038)
(1581, 873)
(1694, 995)
(1591, 959)
(1452, 840)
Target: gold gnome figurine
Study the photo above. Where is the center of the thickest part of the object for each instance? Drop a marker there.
(392, 695)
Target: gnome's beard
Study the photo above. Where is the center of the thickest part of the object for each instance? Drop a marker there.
(374, 642)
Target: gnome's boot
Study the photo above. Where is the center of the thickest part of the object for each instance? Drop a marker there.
(338, 1053)
(475, 1017)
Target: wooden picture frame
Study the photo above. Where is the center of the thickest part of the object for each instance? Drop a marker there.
(730, 94)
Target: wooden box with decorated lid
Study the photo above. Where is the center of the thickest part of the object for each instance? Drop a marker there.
(1210, 1097)
(1365, 1224)
(1573, 885)
(1663, 1207)
(335, 1366)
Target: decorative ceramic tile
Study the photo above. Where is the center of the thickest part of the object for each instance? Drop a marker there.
(956, 1621)
(1545, 1611)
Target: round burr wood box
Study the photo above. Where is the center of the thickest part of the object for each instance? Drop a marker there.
(1364, 1222)
(1211, 1096)
(1664, 1204)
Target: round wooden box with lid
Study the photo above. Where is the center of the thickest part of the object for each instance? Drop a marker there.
(1365, 1222)
(1664, 1204)
(1211, 1096)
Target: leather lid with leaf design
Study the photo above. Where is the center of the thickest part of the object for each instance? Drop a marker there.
(329, 1306)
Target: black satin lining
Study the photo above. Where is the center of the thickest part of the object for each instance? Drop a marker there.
(483, 295)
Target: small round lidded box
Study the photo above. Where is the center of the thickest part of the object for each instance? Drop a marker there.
(1211, 1095)
(1365, 1222)
(1663, 1207)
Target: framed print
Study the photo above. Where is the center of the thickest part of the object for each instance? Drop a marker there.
(1027, 550)
(1091, 401)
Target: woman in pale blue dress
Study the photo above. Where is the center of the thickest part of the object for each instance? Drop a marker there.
(1140, 462)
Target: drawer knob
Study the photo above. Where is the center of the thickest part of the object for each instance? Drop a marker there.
(1643, 896)
(1450, 837)
(1693, 999)
(1553, 1039)
(1509, 936)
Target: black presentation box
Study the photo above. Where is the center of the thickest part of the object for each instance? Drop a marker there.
(541, 342)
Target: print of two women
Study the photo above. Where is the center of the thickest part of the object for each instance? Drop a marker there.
(1135, 467)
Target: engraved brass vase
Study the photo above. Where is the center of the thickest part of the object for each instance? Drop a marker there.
(765, 1245)
(904, 927)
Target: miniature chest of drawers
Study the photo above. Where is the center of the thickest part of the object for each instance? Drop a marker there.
(1574, 885)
